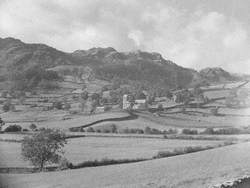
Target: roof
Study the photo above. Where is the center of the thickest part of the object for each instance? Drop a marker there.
(140, 101)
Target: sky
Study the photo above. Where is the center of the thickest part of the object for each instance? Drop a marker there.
(192, 33)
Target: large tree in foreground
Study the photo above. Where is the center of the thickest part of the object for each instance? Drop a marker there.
(44, 147)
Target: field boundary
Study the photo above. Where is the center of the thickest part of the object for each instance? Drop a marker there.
(131, 116)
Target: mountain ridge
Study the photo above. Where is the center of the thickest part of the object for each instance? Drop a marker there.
(149, 68)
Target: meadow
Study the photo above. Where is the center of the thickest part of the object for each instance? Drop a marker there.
(97, 148)
(201, 169)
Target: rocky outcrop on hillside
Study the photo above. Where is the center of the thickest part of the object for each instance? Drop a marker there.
(216, 74)
(106, 63)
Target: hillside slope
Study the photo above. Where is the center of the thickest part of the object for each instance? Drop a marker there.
(216, 74)
(106, 63)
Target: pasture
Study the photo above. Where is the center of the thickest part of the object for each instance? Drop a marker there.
(96, 148)
(201, 169)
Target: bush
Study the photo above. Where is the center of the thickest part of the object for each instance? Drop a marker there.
(214, 111)
(113, 128)
(90, 130)
(189, 131)
(170, 131)
(25, 130)
(33, 127)
(226, 131)
(105, 162)
(147, 130)
(6, 107)
(181, 151)
(58, 105)
(106, 131)
(75, 129)
(64, 164)
(132, 131)
(155, 131)
(208, 131)
(13, 128)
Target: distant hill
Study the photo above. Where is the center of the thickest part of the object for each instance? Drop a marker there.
(148, 69)
(217, 74)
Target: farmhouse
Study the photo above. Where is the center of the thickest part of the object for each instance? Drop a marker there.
(136, 104)
(140, 104)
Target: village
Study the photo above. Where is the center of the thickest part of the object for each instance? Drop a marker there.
(86, 101)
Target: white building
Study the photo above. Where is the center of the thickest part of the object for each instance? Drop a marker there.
(125, 102)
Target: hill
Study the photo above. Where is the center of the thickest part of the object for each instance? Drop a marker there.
(26, 65)
(217, 74)
(106, 63)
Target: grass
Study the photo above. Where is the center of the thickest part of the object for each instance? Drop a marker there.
(200, 169)
(97, 148)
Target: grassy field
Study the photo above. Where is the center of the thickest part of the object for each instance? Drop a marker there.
(54, 119)
(202, 169)
(91, 148)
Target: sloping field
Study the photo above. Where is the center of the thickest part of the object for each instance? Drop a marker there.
(139, 123)
(81, 120)
(97, 148)
(196, 170)
(54, 119)
(92, 148)
(201, 118)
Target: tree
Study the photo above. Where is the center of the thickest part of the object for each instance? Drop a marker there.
(113, 128)
(13, 128)
(7, 106)
(84, 95)
(58, 105)
(33, 127)
(44, 147)
(2, 123)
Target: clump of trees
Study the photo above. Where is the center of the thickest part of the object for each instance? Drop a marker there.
(58, 105)
(44, 147)
(13, 128)
(33, 127)
(7, 106)
(189, 131)
(33, 77)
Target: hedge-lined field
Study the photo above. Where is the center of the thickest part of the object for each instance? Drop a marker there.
(97, 148)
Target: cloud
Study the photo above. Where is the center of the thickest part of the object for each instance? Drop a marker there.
(189, 35)
(235, 38)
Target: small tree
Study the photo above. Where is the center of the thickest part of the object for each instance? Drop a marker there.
(113, 128)
(7, 107)
(147, 130)
(33, 127)
(58, 105)
(43, 147)
(90, 130)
